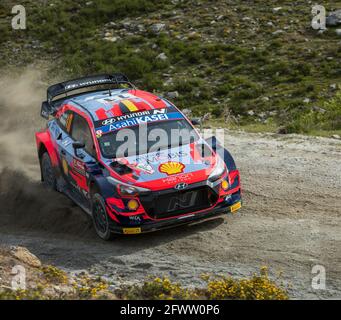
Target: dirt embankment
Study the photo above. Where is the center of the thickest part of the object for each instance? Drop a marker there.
(291, 219)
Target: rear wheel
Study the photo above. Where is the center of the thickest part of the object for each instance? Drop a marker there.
(100, 218)
(49, 178)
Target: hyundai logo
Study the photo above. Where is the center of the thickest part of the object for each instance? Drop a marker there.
(181, 186)
(108, 122)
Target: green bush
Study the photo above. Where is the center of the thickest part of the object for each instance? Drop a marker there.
(258, 287)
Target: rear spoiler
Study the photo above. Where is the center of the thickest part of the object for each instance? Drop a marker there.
(48, 108)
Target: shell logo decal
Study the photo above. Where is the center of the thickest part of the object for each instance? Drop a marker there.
(171, 168)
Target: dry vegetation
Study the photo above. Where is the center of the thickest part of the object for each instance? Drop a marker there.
(48, 282)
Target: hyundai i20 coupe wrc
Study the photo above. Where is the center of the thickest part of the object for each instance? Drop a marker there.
(149, 183)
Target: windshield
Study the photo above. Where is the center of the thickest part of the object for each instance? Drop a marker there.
(146, 139)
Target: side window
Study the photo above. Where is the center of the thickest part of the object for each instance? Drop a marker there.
(80, 131)
(65, 121)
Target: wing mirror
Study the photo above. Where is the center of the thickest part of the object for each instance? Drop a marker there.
(76, 146)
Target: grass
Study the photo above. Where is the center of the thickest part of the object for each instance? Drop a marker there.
(236, 62)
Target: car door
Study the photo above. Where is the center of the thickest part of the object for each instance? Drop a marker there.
(74, 161)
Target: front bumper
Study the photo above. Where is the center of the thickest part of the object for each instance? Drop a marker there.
(222, 208)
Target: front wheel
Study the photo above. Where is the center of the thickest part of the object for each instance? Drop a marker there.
(100, 218)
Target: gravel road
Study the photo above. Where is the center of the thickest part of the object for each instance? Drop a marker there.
(290, 222)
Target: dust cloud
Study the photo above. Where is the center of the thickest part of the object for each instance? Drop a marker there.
(24, 203)
(20, 101)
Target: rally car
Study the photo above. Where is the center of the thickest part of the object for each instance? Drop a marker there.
(148, 183)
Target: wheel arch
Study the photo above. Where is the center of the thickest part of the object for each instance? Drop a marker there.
(99, 184)
(214, 143)
(44, 144)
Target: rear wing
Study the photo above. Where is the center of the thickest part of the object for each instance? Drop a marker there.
(49, 107)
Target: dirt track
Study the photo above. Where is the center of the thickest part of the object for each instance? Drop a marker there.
(291, 221)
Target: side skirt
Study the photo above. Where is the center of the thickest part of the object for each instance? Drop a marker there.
(75, 196)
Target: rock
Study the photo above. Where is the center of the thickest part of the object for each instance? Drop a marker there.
(25, 256)
(193, 35)
(157, 28)
(172, 95)
(246, 19)
(306, 100)
(187, 112)
(127, 25)
(162, 56)
(169, 82)
(322, 31)
(277, 32)
(64, 290)
(111, 39)
(334, 18)
(333, 86)
(277, 9)
(207, 116)
(251, 113)
(282, 130)
(338, 32)
(336, 136)
(266, 99)
(140, 28)
(318, 109)
(262, 115)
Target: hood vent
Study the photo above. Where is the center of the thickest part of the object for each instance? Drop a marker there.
(120, 168)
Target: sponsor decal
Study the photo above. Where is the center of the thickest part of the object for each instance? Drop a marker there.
(65, 166)
(162, 156)
(236, 207)
(110, 121)
(99, 133)
(79, 167)
(135, 219)
(113, 124)
(128, 116)
(76, 85)
(178, 179)
(131, 230)
(66, 142)
(172, 168)
(68, 122)
(135, 122)
(44, 114)
(145, 167)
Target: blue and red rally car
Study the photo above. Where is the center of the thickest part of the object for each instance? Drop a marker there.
(130, 159)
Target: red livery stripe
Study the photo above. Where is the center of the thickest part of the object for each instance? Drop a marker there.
(101, 114)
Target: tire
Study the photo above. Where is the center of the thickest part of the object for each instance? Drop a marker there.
(100, 218)
(47, 172)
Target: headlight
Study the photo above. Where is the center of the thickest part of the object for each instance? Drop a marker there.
(126, 189)
(218, 171)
